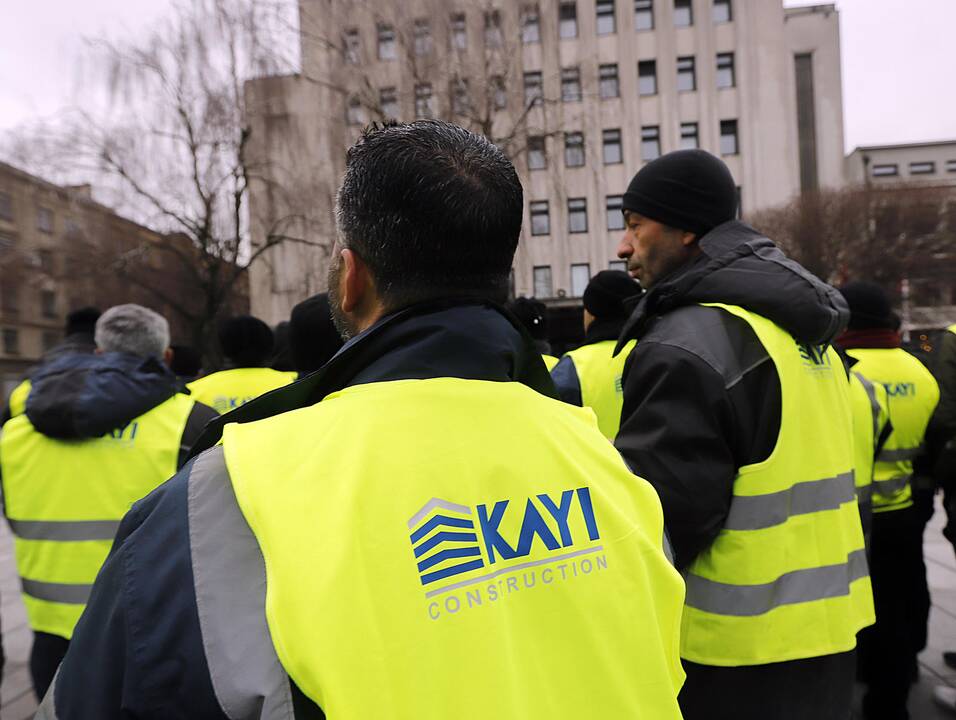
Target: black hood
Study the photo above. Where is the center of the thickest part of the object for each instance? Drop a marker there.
(739, 266)
(86, 396)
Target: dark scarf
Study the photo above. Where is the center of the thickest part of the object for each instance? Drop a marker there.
(878, 338)
(467, 339)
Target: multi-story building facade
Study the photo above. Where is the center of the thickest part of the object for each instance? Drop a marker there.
(927, 163)
(61, 250)
(579, 93)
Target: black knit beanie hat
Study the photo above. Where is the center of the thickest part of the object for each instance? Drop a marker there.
(313, 339)
(605, 295)
(246, 341)
(689, 190)
(869, 306)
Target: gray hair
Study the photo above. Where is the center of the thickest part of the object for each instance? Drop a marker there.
(132, 329)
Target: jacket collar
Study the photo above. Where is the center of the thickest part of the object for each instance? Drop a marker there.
(466, 339)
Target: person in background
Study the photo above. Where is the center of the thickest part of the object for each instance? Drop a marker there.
(871, 430)
(590, 376)
(313, 339)
(99, 432)
(186, 362)
(413, 471)
(281, 357)
(533, 314)
(246, 343)
(79, 329)
(738, 412)
(888, 649)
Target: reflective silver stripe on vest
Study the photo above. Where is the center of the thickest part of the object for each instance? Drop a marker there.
(66, 593)
(864, 494)
(229, 575)
(899, 455)
(754, 512)
(65, 530)
(799, 586)
(874, 403)
(892, 486)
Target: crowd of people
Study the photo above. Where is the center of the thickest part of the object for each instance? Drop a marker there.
(400, 504)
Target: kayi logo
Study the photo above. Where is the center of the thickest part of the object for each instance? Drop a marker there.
(814, 356)
(900, 390)
(469, 556)
(222, 404)
(126, 433)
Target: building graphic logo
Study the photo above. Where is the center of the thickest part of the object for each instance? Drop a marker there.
(465, 555)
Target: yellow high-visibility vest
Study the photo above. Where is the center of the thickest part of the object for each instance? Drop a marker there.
(549, 361)
(526, 582)
(912, 393)
(64, 501)
(18, 399)
(787, 577)
(228, 389)
(870, 415)
(600, 377)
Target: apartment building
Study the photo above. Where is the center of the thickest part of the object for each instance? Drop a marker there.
(579, 93)
(928, 163)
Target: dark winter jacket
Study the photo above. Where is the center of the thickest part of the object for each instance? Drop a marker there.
(701, 395)
(944, 369)
(138, 650)
(86, 396)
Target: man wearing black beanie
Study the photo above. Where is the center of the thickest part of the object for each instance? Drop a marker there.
(590, 376)
(313, 339)
(736, 409)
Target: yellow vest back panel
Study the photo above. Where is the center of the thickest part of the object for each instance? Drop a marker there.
(870, 407)
(228, 389)
(787, 577)
(599, 374)
(913, 394)
(18, 399)
(549, 361)
(63, 498)
(449, 548)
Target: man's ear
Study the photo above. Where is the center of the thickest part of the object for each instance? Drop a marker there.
(687, 239)
(355, 281)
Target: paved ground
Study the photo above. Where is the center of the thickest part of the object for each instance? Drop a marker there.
(17, 701)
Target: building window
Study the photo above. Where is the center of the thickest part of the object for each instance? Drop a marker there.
(460, 101)
(353, 47)
(499, 92)
(423, 100)
(49, 339)
(537, 156)
(689, 136)
(543, 287)
(950, 166)
(643, 14)
(610, 85)
(806, 122)
(11, 341)
(728, 137)
(885, 170)
(574, 149)
(722, 11)
(606, 24)
(683, 13)
(386, 42)
(650, 142)
(540, 218)
(647, 77)
(686, 75)
(48, 303)
(618, 265)
(571, 85)
(46, 261)
(459, 32)
(9, 298)
(6, 206)
(725, 70)
(493, 37)
(353, 112)
(615, 212)
(45, 220)
(530, 24)
(580, 277)
(612, 147)
(568, 19)
(388, 100)
(922, 168)
(533, 88)
(577, 215)
(422, 36)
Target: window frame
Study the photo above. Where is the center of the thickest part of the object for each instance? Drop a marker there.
(45, 220)
(458, 31)
(736, 136)
(424, 93)
(587, 273)
(722, 4)
(685, 134)
(641, 77)
(614, 210)
(550, 281)
(609, 143)
(680, 6)
(601, 14)
(609, 77)
(422, 37)
(540, 209)
(388, 96)
(689, 69)
(352, 51)
(569, 147)
(571, 90)
(922, 167)
(643, 9)
(534, 149)
(577, 213)
(11, 341)
(885, 170)
(530, 18)
(567, 22)
(538, 98)
(729, 66)
(646, 137)
(386, 39)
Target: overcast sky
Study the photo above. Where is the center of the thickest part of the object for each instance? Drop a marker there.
(899, 61)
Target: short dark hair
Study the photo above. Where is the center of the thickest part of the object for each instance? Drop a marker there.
(533, 314)
(433, 210)
(82, 320)
(246, 341)
(313, 339)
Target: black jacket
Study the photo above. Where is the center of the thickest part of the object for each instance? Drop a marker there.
(77, 396)
(701, 395)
